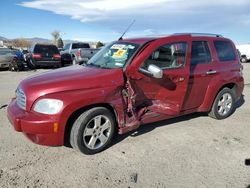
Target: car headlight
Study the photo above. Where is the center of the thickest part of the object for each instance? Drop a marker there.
(48, 106)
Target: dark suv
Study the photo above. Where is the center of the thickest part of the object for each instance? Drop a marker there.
(44, 55)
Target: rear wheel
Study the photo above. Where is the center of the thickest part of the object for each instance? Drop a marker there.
(93, 131)
(59, 65)
(224, 104)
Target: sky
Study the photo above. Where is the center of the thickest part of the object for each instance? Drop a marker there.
(105, 20)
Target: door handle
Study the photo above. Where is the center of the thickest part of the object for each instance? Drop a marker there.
(181, 79)
(177, 79)
(211, 72)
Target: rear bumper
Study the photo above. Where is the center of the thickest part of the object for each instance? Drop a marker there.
(36, 127)
(47, 63)
(240, 88)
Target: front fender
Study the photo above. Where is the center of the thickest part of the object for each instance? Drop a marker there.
(78, 99)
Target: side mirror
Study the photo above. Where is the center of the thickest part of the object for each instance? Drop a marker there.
(153, 71)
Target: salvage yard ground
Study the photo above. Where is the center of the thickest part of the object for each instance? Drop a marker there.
(189, 151)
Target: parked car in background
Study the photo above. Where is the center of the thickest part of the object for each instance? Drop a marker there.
(86, 54)
(19, 62)
(245, 52)
(65, 58)
(77, 53)
(44, 55)
(129, 83)
(25, 55)
(60, 49)
(6, 56)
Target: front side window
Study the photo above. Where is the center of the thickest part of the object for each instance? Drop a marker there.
(200, 53)
(114, 55)
(225, 50)
(168, 56)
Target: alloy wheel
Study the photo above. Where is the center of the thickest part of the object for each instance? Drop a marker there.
(225, 104)
(97, 132)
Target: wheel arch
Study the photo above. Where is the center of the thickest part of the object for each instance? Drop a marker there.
(232, 86)
(211, 95)
(79, 111)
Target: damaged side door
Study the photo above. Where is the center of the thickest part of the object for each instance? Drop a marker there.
(148, 93)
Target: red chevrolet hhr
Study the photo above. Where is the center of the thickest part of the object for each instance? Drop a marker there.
(126, 84)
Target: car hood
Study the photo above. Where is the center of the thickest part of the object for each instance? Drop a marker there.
(70, 78)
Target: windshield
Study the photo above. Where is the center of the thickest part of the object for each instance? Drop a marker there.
(114, 55)
(46, 49)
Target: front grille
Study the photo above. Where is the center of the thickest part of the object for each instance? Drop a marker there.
(21, 98)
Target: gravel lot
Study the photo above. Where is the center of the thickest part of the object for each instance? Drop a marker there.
(191, 151)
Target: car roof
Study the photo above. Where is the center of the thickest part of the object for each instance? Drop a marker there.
(138, 40)
(43, 44)
(193, 35)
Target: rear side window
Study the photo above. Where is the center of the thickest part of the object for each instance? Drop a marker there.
(80, 45)
(225, 50)
(200, 53)
(46, 49)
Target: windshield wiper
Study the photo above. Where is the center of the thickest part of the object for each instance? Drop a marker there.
(92, 65)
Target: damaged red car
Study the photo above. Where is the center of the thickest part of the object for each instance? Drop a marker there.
(128, 83)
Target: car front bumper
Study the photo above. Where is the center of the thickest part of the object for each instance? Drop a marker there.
(38, 128)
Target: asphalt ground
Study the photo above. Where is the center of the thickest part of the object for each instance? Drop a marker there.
(189, 151)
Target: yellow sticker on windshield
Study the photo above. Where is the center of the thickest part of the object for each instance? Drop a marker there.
(120, 53)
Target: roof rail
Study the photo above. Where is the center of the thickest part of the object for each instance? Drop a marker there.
(200, 34)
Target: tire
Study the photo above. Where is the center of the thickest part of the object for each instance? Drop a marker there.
(59, 65)
(224, 104)
(74, 61)
(243, 60)
(89, 135)
(62, 63)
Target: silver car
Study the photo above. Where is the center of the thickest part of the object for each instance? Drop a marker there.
(6, 56)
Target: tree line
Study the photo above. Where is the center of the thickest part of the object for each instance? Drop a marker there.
(56, 39)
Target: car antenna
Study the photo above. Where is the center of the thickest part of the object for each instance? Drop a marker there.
(132, 23)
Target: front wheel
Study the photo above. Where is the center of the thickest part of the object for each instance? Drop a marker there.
(224, 104)
(93, 131)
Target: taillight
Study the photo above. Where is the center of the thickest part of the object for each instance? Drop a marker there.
(57, 56)
(78, 53)
(36, 56)
(241, 69)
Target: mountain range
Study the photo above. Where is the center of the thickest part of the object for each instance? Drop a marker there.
(38, 40)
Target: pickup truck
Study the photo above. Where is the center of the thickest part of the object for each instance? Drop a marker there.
(128, 83)
(77, 53)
